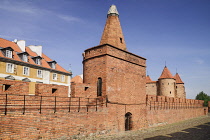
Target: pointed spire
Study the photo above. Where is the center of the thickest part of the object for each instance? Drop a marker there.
(166, 74)
(178, 79)
(113, 11)
(112, 33)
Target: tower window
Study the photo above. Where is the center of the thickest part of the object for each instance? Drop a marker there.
(121, 40)
(99, 87)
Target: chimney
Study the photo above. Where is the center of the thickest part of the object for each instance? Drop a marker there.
(36, 49)
(21, 44)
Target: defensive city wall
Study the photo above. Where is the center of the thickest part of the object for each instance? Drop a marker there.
(53, 117)
(112, 97)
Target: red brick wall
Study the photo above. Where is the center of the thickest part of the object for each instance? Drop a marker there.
(17, 87)
(168, 116)
(46, 90)
(22, 88)
(49, 125)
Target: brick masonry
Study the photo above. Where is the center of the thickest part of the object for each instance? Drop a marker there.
(123, 84)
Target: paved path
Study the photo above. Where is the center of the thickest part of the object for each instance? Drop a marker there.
(193, 129)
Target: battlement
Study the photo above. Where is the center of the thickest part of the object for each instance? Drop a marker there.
(163, 102)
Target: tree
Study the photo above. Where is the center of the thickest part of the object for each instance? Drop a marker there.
(203, 96)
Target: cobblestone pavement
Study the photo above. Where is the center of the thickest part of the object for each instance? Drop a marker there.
(193, 129)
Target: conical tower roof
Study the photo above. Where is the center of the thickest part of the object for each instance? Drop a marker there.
(166, 74)
(112, 33)
(148, 79)
(178, 79)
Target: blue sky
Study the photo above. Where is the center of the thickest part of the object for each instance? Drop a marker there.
(175, 31)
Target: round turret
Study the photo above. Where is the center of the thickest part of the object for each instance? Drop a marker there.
(166, 84)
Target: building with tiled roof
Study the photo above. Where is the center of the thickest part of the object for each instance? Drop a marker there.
(167, 85)
(29, 64)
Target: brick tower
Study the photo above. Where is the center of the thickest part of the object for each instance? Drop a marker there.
(166, 83)
(180, 89)
(117, 73)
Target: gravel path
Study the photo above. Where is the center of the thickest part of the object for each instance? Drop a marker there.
(193, 129)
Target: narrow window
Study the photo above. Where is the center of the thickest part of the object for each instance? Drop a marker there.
(170, 92)
(25, 70)
(99, 87)
(128, 121)
(121, 40)
(54, 76)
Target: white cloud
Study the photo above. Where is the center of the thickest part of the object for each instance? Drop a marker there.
(22, 7)
(69, 18)
(199, 61)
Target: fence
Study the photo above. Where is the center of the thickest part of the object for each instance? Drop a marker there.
(158, 105)
(14, 102)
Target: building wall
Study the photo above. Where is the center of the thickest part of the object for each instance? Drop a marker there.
(109, 119)
(151, 88)
(18, 74)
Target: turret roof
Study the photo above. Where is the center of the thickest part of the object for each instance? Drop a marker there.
(178, 79)
(149, 80)
(166, 74)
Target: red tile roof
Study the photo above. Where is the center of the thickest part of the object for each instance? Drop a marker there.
(6, 43)
(178, 79)
(148, 80)
(166, 74)
(77, 79)
(44, 62)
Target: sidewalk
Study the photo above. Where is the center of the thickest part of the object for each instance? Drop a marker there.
(193, 129)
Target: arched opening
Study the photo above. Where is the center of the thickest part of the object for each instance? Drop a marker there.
(128, 121)
(99, 87)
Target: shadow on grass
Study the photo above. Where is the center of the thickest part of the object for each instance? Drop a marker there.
(200, 132)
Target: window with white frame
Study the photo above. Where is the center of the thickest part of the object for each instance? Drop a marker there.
(8, 53)
(54, 76)
(24, 58)
(25, 70)
(39, 73)
(53, 65)
(37, 61)
(62, 78)
(10, 68)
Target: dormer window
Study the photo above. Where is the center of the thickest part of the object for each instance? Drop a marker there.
(7, 52)
(23, 56)
(37, 60)
(52, 64)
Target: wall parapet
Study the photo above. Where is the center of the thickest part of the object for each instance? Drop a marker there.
(28, 103)
(163, 102)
